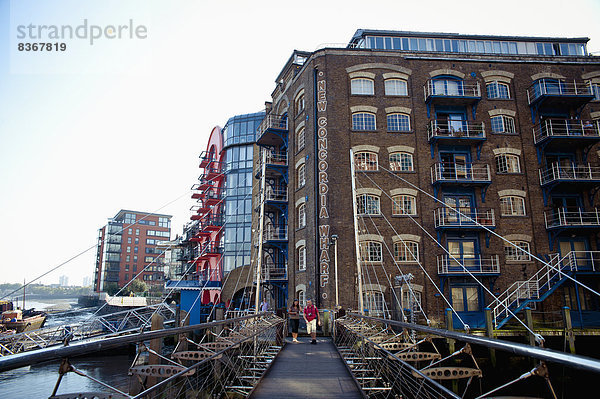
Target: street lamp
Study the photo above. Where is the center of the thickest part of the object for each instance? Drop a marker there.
(334, 238)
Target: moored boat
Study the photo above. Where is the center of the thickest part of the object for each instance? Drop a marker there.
(19, 320)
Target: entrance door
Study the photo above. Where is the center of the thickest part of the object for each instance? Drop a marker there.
(455, 166)
(463, 204)
(465, 251)
(578, 247)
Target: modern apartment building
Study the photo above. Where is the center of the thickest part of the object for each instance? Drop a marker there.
(127, 245)
(470, 161)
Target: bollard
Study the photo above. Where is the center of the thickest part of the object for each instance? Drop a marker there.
(155, 345)
(489, 330)
(529, 323)
(326, 323)
(566, 311)
(449, 327)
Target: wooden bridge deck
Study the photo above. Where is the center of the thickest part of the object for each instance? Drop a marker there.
(307, 371)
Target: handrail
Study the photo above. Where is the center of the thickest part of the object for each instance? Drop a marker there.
(444, 217)
(444, 171)
(561, 217)
(573, 128)
(475, 265)
(571, 172)
(575, 361)
(273, 121)
(455, 129)
(456, 88)
(555, 87)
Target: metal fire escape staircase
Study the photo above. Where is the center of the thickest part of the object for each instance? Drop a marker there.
(543, 283)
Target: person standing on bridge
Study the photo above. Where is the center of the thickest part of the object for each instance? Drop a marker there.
(311, 316)
(294, 313)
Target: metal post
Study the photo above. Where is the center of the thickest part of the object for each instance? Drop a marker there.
(489, 330)
(449, 327)
(261, 228)
(529, 322)
(355, 217)
(568, 328)
(334, 237)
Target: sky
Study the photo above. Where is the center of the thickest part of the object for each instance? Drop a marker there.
(119, 123)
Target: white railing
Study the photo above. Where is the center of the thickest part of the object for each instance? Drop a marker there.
(449, 217)
(271, 272)
(561, 217)
(451, 88)
(456, 129)
(475, 265)
(523, 292)
(572, 128)
(279, 122)
(552, 87)
(276, 194)
(463, 172)
(275, 233)
(571, 172)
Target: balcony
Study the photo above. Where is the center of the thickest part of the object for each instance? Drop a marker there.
(575, 175)
(275, 233)
(271, 272)
(463, 173)
(213, 196)
(563, 218)
(207, 159)
(212, 223)
(582, 261)
(451, 92)
(273, 131)
(556, 93)
(276, 194)
(207, 251)
(448, 218)
(196, 284)
(275, 160)
(478, 265)
(455, 131)
(213, 172)
(569, 132)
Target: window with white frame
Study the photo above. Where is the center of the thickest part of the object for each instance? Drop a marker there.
(374, 302)
(508, 163)
(398, 123)
(301, 216)
(302, 257)
(512, 205)
(366, 161)
(371, 251)
(497, 90)
(300, 142)
(404, 204)
(363, 121)
(299, 102)
(368, 204)
(503, 124)
(401, 162)
(301, 298)
(362, 86)
(406, 251)
(411, 298)
(396, 87)
(520, 253)
(301, 174)
(596, 91)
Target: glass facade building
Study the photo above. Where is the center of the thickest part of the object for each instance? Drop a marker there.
(239, 135)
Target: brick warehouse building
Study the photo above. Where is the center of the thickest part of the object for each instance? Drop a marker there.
(502, 129)
(127, 244)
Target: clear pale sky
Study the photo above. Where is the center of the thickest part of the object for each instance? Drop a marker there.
(120, 124)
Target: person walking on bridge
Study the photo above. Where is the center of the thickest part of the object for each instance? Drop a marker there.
(294, 313)
(311, 316)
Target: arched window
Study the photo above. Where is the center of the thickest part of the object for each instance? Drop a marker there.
(503, 124)
(362, 86)
(508, 163)
(366, 161)
(374, 302)
(302, 257)
(301, 298)
(519, 254)
(364, 121)
(398, 123)
(447, 86)
(371, 251)
(368, 204)
(512, 205)
(406, 251)
(403, 205)
(401, 162)
(497, 90)
(396, 87)
(299, 102)
(301, 174)
(301, 216)
(300, 142)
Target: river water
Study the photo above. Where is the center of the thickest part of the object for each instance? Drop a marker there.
(37, 381)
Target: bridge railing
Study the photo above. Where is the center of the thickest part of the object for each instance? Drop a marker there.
(393, 358)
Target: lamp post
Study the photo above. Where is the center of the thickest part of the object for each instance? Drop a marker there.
(334, 238)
